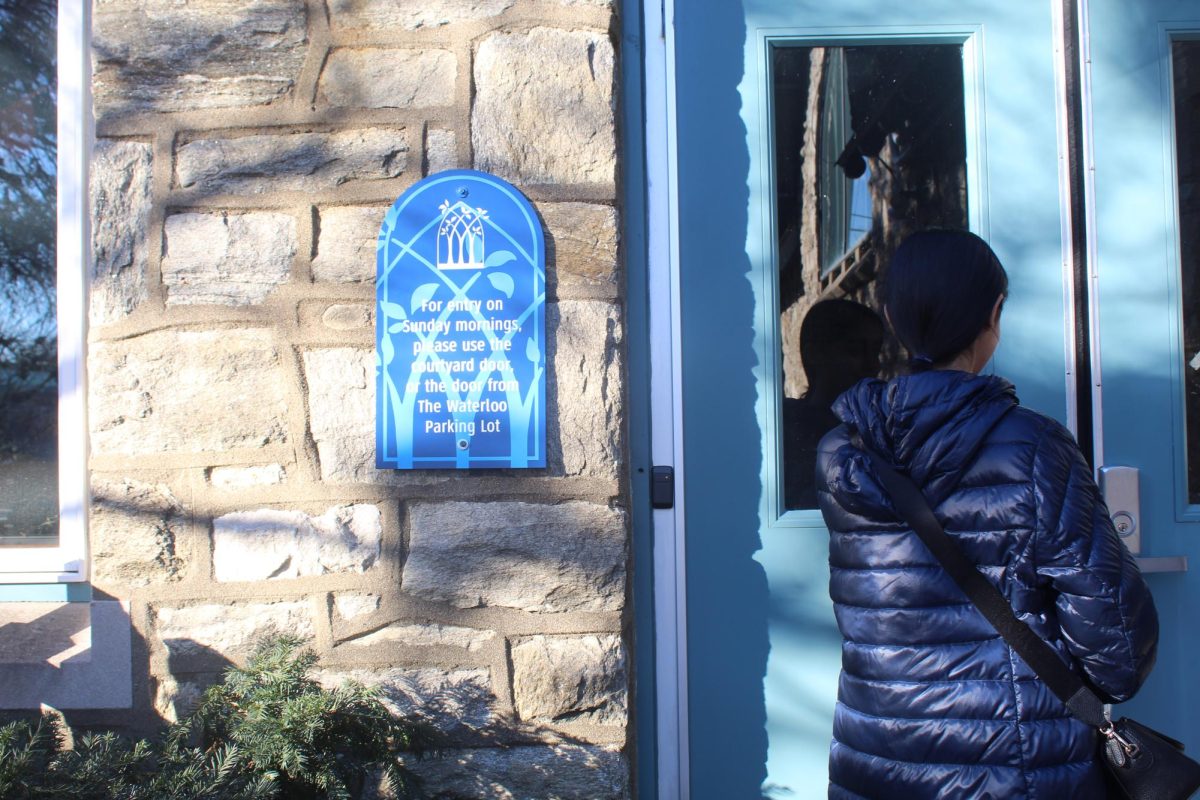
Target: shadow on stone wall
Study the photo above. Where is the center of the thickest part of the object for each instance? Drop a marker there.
(247, 54)
(567, 769)
(460, 645)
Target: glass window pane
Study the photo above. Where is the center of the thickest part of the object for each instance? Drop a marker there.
(28, 328)
(1186, 79)
(885, 155)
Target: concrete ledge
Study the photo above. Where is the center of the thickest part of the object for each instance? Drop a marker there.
(66, 655)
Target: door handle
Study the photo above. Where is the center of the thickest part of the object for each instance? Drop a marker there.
(1163, 564)
(1119, 487)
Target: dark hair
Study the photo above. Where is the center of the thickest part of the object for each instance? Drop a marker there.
(941, 288)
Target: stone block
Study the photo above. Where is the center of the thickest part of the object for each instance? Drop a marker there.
(227, 259)
(399, 14)
(584, 436)
(557, 772)
(187, 391)
(348, 317)
(542, 558)
(163, 56)
(543, 108)
(341, 402)
(133, 532)
(570, 679)
(389, 78)
(230, 631)
(227, 478)
(441, 150)
(272, 544)
(120, 175)
(431, 634)
(582, 238)
(346, 244)
(458, 702)
(350, 458)
(296, 162)
(175, 699)
(351, 605)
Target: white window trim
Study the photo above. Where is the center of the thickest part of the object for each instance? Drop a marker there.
(67, 562)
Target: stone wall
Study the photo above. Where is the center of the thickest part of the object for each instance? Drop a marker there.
(246, 151)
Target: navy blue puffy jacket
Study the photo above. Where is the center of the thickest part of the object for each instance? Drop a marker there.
(931, 701)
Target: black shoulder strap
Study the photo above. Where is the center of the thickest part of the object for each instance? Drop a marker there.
(914, 509)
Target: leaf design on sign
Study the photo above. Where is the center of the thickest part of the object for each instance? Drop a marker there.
(392, 310)
(421, 295)
(502, 281)
(396, 327)
(499, 259)
(531, 350)
(389, 350)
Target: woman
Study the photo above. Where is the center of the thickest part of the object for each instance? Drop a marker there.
(932, 703)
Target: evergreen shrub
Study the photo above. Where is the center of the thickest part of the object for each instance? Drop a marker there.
(267, 730)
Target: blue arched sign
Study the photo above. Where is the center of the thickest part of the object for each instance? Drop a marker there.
(460, 327)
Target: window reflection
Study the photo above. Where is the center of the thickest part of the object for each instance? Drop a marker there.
(870, 145)
(1186, 81)
(840, 344)
(845, 192)
(28, 329)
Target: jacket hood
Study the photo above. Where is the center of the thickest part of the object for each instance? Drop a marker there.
(930, 425)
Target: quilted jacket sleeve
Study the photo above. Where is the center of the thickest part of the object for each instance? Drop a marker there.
(1105, 610)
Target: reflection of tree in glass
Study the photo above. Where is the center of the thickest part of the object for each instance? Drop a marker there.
(28, 352)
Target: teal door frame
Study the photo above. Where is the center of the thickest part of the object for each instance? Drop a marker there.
(765, 250)
(649, 242)
(637, 125)
(662, 287)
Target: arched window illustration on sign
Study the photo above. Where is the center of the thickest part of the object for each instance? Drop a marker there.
(460, 237)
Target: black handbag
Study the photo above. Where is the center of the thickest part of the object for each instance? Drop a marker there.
(1142, 764)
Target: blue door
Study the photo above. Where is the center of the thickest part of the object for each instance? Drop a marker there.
(1145, 107)
(811, 136)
